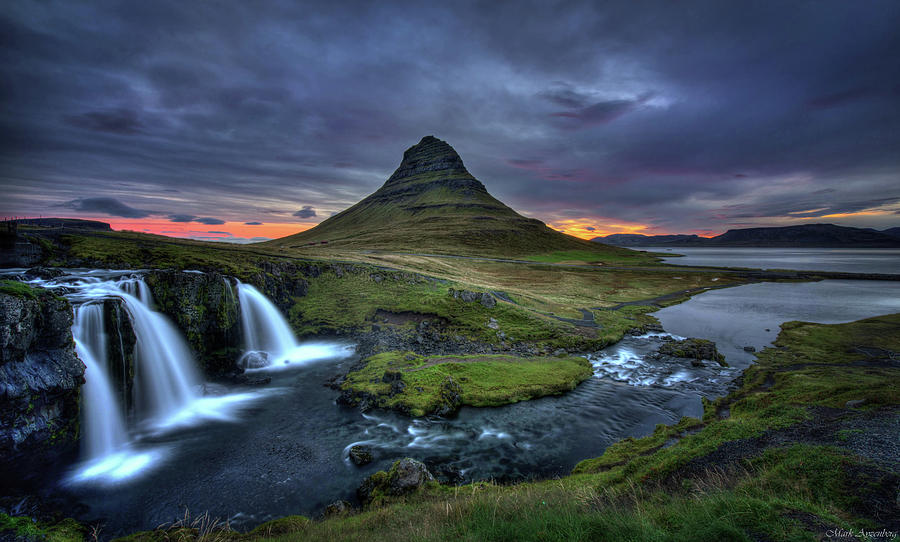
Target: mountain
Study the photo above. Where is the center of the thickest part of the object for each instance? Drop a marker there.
(805, 235)
(432, 204)
(640, 240)
(893, 232)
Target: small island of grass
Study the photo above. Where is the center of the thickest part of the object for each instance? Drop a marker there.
(420, 385)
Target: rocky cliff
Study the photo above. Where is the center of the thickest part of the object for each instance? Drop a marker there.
(40, 380)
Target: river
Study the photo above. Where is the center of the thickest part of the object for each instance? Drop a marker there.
(861, 260)
(285, 450)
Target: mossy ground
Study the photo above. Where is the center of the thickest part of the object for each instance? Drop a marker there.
(19, 289)
(28, 530)
(484, 380)
(640, 489)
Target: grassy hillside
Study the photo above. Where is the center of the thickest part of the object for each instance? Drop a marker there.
(432, 204)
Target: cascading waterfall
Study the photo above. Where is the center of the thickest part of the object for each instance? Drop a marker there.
(102, 420)
(269, 341)
(164, 375)
(265, 329)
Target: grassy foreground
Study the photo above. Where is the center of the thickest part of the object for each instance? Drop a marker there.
(782, 458)
(430, 383)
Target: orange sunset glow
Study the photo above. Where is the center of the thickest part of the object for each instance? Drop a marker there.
(193, 230)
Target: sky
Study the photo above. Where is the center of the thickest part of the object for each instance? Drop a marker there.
(242, 121)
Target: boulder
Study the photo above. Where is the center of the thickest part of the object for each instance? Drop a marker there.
(254, 360)
(697, 349)
(360, 455)
(406, 475)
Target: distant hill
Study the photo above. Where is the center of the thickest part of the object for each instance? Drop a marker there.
(806, 235)
(638, 240)
(70, 223)
(432, 204)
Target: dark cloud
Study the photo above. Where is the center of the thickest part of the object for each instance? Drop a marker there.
(253, 223)
(306, 212)
(599, 113)
(209, 221)
(678, 115)
(590, 228)
(220, 233)
(120, 121)
(108, 206)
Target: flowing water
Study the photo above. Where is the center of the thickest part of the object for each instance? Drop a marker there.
(849, 260)
(285, 448)
(102, 420)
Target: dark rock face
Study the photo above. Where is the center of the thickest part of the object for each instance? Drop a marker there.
(430, 154)
(40, 380)
(697, 349)
(120, 342)
(360, 455)
(405, 476)
(204, 307)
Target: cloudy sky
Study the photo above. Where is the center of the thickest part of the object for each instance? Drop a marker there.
(243, 120)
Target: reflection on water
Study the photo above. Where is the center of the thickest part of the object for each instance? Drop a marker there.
(857, 260)
(751, 315)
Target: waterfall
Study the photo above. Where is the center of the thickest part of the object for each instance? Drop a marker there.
(165, 376)
(102, 420)
(265, 329)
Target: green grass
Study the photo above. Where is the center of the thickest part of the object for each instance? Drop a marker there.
(605, 257)
(27, 529)
(619, 495)
(19, 289)
(638, 491)
(483, 380)
(336, 304)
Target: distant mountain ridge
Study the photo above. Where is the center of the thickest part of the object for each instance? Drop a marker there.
(802, 236)
(432, 203)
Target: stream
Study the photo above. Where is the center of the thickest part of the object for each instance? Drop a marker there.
(248, 454)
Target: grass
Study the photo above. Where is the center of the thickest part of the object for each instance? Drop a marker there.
(339, 303)
(793, 492)
(19, 289)
(484, 380)
(641, 489)
(27, 529)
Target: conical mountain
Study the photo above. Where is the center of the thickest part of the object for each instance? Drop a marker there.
(432, 204)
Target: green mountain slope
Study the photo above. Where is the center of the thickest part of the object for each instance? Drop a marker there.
(432, 204)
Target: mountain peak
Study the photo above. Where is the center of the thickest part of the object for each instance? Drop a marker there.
(429, 154)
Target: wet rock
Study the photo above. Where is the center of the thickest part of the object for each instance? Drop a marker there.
(45, 273)
(493, 324)
(255, 360)
(749, 349)
(855, 403)
(204, 307)
(40, 380)
(391, 376)
(360, 455)
(697, 349)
